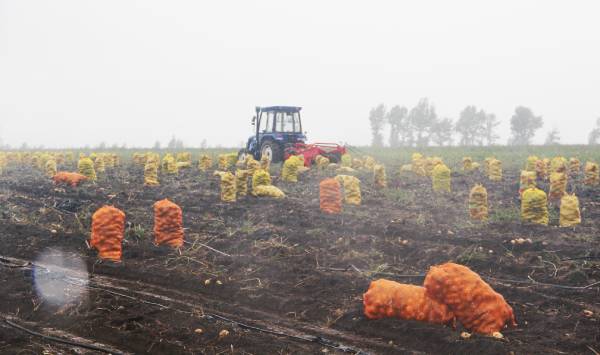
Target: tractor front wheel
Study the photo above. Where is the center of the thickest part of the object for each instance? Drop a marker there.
(272, 150)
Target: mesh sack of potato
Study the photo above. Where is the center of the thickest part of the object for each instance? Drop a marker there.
(441, 180)
(268, 191)
(184, 157)
(558, 165)
(526, 181)
(330, 196)
(251, 164)
(86, 167)
(169, 165)
(321, 162)
(108, 224)
(478, 203)
(357, 163)
(390, 299)
(345, 170)
(474, 303)
(351, 185)
(205, 163)
(223, 162)
(379, 176)
(574, 167)
(260, 177)
(109, 162)
(534, 206)
(558, 186)
(168, 224)
(495, 170)
(418, 164)
(467, 164)
(591, 173)
(346, 160)
(181, 165)
(151, 173)
(50, 167)
(540, 169)
(289, 171)
(228, 186)
(72, 179)
(569, 211)
(99, 164)
(241, 181)
(265, 163)
(531, 161)
(369, 163)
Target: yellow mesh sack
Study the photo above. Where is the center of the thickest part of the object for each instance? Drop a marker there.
(86, 168)
(467, 164)
(441, 178)
(558, 165)
(321, 162)
(369, 163)
(495, 170)
(569, 211)
(475, 165)
(268, 191)
(99, 164)
(151, 173)
(265, 163)
(93, 156)
(418, 164)
(526, 181)
(431, 163)
(50, 168)
(534, 206)
(228, 186)
(558, 186)
(108, 161)
(241, 180)
(531, 161)
(486, 165)
(251, 164)
(223, 162)
(540, 169)
(351, 185)
(379, 177)
(548, 164)
(261, 177)
(591, 172)
(478, 203)
(205, 163)
(347, 160)
(69, 158)
(169, 165)
(289, 171)
(345, 170)
(574, 167)
(357, 163)
(184, 157)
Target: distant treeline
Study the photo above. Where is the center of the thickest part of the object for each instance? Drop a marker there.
(421, 126)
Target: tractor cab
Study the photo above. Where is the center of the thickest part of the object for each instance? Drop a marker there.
(276, 129)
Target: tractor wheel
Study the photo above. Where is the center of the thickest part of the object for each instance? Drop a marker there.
(242, 154)
(272, 150)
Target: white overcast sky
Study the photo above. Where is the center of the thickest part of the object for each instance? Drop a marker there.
(81, 72)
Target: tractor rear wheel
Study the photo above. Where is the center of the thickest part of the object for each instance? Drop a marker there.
(242, 154)
(272, 150)
(334, 157)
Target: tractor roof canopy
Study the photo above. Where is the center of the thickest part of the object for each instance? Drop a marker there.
(290, 109)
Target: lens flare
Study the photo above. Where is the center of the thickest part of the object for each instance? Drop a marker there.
(60, 278)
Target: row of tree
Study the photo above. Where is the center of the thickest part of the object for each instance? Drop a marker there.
(421, 126)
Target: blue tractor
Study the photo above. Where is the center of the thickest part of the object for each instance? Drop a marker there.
(277, 129)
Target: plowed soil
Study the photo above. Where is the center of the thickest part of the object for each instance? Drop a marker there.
(283, 266)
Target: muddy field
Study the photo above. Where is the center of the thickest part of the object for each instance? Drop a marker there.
(281, 277)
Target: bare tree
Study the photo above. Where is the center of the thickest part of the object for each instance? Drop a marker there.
(594, 136)
(552, 138)
(377, 119)
(441, 132)
(422, 118)
(396, 117)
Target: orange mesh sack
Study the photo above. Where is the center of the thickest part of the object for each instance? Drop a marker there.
(107, 232)
(168, 224)
(387, 299)
(330, 196)
(65, 177)
(474, 303)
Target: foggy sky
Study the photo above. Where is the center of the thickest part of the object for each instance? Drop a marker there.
(80, 72)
